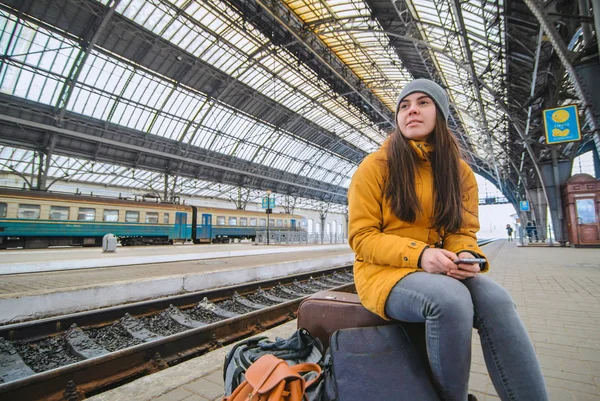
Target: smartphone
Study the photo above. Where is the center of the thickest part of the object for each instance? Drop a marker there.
(470, 260)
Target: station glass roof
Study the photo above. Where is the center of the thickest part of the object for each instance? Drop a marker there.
(463, 42)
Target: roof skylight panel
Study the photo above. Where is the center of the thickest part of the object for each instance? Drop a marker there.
(218, 52)
(15, 155)
(331, 163)
(6, 153)
(240, 127)
(105, 73)
(281, 162)
(217, 115)
(222, 144)
(327, 176)
(473, 21)
(245, 150)
(131, 8)
(310, 83)
(24, 76)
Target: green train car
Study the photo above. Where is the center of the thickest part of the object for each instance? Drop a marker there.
(35, 219)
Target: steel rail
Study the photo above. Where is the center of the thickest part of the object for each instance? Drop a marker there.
(95, 375)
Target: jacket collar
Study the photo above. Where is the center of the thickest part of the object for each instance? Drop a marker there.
(423, 149)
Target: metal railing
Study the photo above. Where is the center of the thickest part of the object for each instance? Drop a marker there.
(315, 238)
(535, 235)
(297, 237)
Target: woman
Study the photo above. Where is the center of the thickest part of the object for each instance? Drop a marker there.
(413, 211)
(509, 231)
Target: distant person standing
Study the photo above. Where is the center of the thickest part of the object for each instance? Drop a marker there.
(529, 229)
(534, 231)
(509, 231)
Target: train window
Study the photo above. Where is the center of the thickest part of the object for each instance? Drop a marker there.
(86, 214)
(132, 216)
(263, 222)
(152, 217)
(253, 222)
(233, 221)
(110, 215)
(220, 220)
(2, 209)
(271, 222)
(243, 221)
(279, 223)
(166, 218)
(28, 211)
(59, 213)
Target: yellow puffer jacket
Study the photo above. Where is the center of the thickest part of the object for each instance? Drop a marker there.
(387, 248)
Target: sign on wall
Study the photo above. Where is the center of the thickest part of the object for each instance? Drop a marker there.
(562, 124)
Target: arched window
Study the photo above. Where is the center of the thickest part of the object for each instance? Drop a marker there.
(333, 227)
(328, 228)
(340, 230)
(310, 226)
(318, 227)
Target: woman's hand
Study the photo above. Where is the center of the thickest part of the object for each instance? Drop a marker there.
(464, 270)
(438, 261)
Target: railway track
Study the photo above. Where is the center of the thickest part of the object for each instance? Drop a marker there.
(73, 356)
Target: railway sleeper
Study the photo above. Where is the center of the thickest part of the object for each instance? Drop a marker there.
(289, 291)
(81, 345)
(136, 329)
(317, 283)
(12, 367)
(246, 302)
(343, 276)
(262, 293)
(305, 288)
(333, 280)
(179, 317)
(206, 305)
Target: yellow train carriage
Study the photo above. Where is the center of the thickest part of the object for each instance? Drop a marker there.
(33, 219)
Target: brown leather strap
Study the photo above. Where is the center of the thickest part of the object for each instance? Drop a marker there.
(307, 367)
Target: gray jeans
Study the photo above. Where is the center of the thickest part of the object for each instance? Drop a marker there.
(450, 309)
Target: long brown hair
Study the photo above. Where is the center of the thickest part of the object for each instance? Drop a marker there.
(402, 162)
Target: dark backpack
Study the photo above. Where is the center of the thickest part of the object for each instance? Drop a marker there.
(301, 347)
(375, 363)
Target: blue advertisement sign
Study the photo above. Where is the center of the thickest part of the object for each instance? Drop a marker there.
(562, 124)
(271, 201)
(524, 206)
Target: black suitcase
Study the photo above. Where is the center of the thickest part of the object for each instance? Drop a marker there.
(375, 363)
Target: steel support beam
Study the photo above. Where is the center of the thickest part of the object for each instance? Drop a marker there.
(313, 44)
(584, 11)
(596, 9)
(563, 54)
(84, 52)
(456, 7)
(270, 180)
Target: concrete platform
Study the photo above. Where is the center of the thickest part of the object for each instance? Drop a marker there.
(44, 294)
(557, 292)
(16, 261)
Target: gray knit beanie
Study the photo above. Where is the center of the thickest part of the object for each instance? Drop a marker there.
(430, 88)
